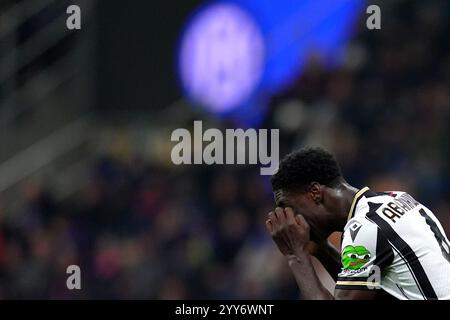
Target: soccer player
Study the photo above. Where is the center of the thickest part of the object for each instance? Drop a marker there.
(390, 241)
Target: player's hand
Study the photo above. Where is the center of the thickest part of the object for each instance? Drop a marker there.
(290, 232)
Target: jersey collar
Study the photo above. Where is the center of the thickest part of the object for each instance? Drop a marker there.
(358, 196)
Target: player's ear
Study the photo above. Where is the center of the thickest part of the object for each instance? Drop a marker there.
(315, 191)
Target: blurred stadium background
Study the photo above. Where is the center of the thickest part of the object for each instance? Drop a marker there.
(86, 118)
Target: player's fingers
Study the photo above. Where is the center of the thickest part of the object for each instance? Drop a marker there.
(273, 220)
(290, 216)
(279, 212)
(269, 226)
(301, 221)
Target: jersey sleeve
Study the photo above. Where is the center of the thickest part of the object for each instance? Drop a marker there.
(365, 255)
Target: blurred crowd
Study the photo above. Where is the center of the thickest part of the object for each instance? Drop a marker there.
(142, 230)
(138, 231)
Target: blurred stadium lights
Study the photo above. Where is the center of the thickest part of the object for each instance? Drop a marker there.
(233, 55)
(221, 57)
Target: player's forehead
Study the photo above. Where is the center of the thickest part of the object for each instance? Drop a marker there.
(285, 198)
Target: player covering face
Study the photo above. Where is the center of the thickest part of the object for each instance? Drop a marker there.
(391, 243)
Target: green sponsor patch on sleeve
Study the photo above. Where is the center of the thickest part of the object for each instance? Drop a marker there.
(354, 257)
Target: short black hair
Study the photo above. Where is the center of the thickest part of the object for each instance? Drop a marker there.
(301, 167)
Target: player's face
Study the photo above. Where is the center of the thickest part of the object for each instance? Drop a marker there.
(304, 204)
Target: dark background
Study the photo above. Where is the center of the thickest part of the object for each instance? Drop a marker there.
(147, 78)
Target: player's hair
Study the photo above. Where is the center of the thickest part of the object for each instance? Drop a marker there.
(301, 167)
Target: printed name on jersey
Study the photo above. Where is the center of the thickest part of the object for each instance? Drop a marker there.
(396, 208)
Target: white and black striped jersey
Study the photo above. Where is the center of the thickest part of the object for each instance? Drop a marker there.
(394, 243)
